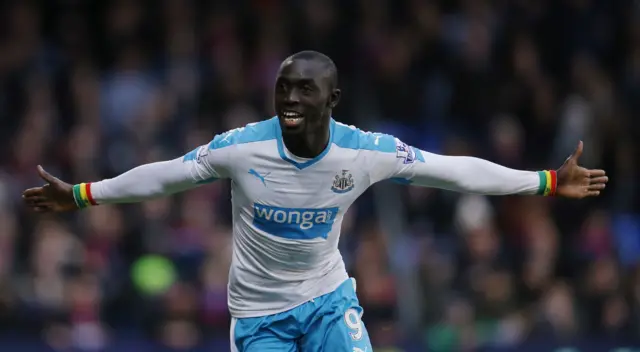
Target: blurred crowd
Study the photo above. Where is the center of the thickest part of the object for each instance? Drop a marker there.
(90, 89)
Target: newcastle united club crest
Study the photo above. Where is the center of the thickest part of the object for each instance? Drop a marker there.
(343, 183)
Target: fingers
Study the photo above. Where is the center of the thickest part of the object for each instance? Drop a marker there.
(46, 176)
(595, 173)
(596, 184)
(592, 187)
(599, 180)
(592, 193)
(39, 204)
(33, 192)
(36, 201)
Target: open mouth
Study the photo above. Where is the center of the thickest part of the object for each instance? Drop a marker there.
(292, 118)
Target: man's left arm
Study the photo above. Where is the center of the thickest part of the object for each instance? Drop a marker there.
(474, 175)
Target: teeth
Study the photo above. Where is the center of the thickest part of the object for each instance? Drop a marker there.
(291, 114)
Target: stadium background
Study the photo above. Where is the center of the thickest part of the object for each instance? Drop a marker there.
(90, 89)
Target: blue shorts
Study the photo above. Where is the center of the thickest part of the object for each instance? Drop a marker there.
(328, 323)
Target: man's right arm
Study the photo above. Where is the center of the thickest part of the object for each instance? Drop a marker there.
(202, 165)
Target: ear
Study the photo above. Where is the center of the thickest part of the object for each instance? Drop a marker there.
(334, 99)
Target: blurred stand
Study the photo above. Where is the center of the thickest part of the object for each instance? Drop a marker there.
(91, 89)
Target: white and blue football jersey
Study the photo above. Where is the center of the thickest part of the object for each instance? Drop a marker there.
(288, 211)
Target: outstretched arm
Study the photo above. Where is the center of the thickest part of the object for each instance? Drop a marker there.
(141, 183)
(474, 175)
(148, 181)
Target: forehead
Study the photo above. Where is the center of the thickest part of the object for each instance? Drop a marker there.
(301, 69)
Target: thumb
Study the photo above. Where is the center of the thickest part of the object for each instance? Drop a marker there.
(577, 153)
(46, 176)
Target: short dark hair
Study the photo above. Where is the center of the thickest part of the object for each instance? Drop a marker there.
(329, 65)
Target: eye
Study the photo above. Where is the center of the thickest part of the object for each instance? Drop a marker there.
(307, 88)
(281, 87)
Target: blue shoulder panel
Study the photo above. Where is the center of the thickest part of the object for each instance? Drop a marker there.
(253, 132)
(353, 138)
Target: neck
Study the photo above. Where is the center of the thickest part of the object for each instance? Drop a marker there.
(308, 145)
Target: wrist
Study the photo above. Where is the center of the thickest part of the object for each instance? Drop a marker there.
(548, 183)
(82, 195)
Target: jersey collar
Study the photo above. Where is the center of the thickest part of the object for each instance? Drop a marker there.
(308, 163)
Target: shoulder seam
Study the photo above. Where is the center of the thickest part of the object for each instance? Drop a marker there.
(354, 138)
(243, 135)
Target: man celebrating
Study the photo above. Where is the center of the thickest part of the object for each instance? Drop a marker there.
(294, 177)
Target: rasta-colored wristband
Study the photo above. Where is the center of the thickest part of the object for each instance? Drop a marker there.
(548, 183)
(82, 195)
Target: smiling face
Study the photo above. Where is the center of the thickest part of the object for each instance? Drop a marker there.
(304, 96)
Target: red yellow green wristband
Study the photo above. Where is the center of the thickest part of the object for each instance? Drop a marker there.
(82, 195)
(548, 183)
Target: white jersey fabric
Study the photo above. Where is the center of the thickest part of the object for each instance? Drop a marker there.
(287, 212)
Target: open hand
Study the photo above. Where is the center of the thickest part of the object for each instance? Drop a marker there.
(54, 196)
(575, 181)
